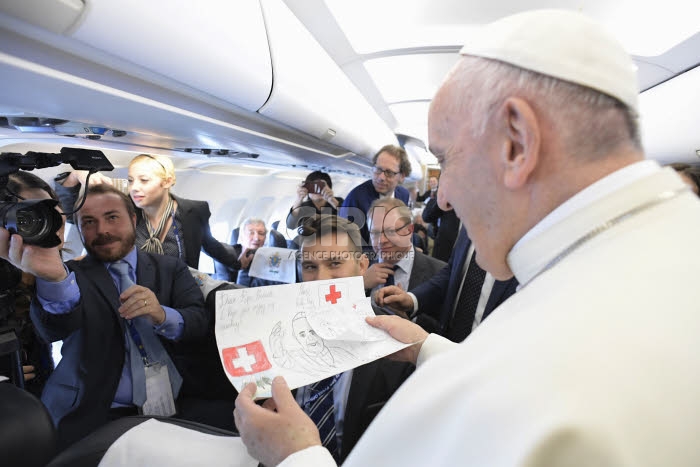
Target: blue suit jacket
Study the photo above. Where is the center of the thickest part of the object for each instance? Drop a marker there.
(436, 298)
(80, 391)
(357, 204)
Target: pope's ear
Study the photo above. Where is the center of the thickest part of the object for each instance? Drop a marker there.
(521, 146)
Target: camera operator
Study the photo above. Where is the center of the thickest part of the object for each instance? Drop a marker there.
(16, 291)
(314, 196)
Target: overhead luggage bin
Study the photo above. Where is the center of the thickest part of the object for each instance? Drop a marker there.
(312, 94)
(229, 37)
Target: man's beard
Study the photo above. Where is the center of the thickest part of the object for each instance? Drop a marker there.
(126, 244)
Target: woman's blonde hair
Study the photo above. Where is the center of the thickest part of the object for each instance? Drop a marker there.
(162, 165)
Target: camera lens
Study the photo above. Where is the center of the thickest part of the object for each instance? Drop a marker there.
(37, 221)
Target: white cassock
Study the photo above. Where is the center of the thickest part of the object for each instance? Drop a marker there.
(594, 362)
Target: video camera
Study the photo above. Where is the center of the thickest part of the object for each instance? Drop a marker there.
(37, 221)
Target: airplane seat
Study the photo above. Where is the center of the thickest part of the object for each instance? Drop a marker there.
(27, 433)
(277, 239)
(233, 239)
(88, 452)
(223, 273)
(275, 225)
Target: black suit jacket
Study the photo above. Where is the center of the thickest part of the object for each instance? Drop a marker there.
(424, 268)
(446, 233)
(80, 391)
(436, 298)
(194, 216)
(428, 193)
(371, 386)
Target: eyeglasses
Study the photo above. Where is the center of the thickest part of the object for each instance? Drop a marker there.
(387, 232)
(387, 173)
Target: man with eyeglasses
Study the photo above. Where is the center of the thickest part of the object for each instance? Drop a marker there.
(391, 166)
(390, 231)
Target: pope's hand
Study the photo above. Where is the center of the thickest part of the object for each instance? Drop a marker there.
(277, 429)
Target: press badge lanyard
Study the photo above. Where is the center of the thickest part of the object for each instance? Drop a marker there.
(136, 337)
(177, 236)
(323, 391)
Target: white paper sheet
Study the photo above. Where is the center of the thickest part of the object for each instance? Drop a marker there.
(157, 443)
(274, 264)
(305, 332)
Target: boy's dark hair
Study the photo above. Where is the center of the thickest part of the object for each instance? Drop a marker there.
(318, 226)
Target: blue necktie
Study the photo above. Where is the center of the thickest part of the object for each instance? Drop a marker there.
(391, 280)
(321, 409)
(152, 345)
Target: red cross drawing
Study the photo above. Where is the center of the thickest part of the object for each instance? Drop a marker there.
(333, 296)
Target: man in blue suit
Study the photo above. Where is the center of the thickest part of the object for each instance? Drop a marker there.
(434, 304)
(119, 311)
(391, 166)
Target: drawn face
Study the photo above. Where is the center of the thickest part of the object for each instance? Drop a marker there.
(385, 175)
(107, 231)
(145, 187)
(253, 236)
(307, 338)
(331, 256)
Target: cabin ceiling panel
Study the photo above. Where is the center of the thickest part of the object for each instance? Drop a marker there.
(645, 28)
(671, 117)
(662, 36)
(402, 78)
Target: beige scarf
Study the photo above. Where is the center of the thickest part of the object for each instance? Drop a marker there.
(153, 244)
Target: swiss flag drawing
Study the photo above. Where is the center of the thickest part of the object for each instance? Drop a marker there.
(246, 359)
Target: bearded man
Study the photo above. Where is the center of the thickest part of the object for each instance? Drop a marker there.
(120, 313)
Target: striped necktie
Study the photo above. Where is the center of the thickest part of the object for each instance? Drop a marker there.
(320, 407)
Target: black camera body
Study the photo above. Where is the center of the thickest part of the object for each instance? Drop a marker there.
(37, 221)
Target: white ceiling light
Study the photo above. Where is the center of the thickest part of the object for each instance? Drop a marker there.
(644, 28)
(403, 78)
(412, 118)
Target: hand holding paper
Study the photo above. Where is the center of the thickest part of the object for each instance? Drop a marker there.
(304, 332)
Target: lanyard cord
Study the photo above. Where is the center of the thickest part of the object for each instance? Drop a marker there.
(323, 391)
(136, 337)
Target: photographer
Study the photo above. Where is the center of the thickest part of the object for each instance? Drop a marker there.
(314, 196)
(17, 289)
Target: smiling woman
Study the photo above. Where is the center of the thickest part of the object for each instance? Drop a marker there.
(165, 223)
